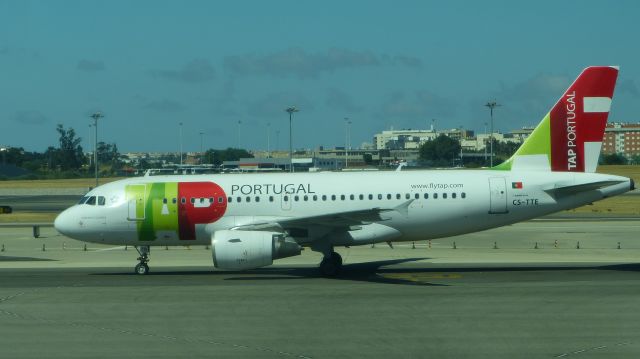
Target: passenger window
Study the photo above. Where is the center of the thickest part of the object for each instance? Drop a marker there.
(398, 196)
(164, 200)
(370, 197)
(361, 197)
(315, 198)
(257, 199)
(463, 195)
(270, 198)
(193, 200)
(201, 200)
(296, 198)
(286, 198)
(333, 197)
(91, 201)
(417, 196)
(342, 197)
(352, 197)
(183, 200)
(406, 196)
(388, 195)
(101, 201)
(220, 199)
(238, 199)
(324, 197)
(426, 196)
(435, 196)
(174, 200)
(210, 199)
(379, 196)
(230, 199)
(444, 196)
(248, 199)
(306, 198)
(453, 195)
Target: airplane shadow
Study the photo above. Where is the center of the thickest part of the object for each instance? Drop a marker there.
(374, 272)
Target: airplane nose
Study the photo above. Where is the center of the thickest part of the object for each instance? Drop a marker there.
(63, 223)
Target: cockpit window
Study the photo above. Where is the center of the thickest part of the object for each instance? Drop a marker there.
(83, 200)
(91, 201)
(101, 201)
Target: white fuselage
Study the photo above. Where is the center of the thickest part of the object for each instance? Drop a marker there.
(436, 203)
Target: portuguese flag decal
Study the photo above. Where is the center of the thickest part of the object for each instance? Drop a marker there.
(516, 185)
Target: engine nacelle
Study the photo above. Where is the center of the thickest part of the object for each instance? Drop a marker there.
(240, 250)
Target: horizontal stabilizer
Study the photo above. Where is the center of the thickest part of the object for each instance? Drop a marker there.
(560, 190)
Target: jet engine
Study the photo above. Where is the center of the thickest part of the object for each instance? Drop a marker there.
(240, 250)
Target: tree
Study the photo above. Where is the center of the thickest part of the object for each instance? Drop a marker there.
(70, 156)
(440, 151)
(108, 154)
(230, 154)
(613, 159)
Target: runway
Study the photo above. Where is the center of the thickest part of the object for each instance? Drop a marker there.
(474, 301)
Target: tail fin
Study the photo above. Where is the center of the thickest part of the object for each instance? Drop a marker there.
(569, 137)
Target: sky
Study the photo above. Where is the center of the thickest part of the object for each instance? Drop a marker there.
(227, 70)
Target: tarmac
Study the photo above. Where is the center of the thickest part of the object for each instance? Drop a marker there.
(494, 296)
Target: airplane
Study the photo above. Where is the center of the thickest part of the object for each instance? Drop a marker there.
(250, 220)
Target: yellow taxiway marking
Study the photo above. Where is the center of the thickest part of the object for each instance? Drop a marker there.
(420, 277)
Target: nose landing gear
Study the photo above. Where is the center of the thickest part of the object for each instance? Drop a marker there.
(142, 267)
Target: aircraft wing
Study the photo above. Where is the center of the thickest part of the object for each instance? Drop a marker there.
(332, 220)
(560, 190)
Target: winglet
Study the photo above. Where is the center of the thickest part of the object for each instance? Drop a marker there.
(399, 168)
(404, 207)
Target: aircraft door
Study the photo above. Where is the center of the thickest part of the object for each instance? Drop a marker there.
(136, 202)
(286, 201)
(498, 195)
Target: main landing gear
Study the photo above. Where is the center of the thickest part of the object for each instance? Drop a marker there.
(142, 267)
(331, 264)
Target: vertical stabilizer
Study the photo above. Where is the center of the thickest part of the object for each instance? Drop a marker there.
(569, 138)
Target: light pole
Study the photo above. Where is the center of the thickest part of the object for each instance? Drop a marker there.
(291, 110)
(96, 116)
(460, 131)
(238, 143)
(485, 143)
(491, 105)
(268, 139)
(91, 137)
(347, 124)
(201, 153)
(180, 144)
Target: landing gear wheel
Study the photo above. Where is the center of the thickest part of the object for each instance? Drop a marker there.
(142, 269)
(331, 265)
